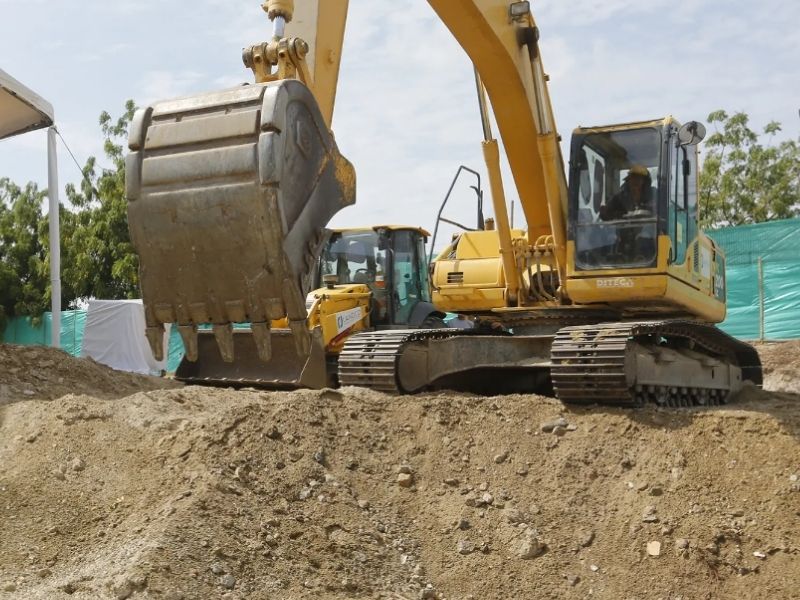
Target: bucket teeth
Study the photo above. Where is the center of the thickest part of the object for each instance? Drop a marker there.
(155, 335)
(263, 339)
(224, 335)
(189, 337)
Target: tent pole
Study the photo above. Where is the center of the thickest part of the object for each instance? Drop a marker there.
(55, 238)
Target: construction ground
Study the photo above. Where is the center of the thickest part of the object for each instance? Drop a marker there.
(120, 486)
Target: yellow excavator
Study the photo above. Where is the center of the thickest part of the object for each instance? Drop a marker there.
(609, 295)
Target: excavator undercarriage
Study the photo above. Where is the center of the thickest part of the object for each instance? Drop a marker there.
(668, 363)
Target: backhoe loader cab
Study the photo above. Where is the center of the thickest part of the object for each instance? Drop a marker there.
(391, 262)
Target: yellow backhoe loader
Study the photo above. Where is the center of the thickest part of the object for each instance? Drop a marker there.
(609, 295)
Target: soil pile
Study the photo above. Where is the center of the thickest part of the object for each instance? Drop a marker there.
(214, 493)
(781, 363)
(37, 372)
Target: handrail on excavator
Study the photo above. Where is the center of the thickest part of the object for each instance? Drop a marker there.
(478, 191)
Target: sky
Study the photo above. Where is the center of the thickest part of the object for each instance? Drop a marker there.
(406, 112)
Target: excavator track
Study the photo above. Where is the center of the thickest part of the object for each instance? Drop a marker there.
(669, 363)
(371, 359)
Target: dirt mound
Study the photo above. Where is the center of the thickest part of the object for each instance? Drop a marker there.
(781, 362)
(206, 493)
(40, 372)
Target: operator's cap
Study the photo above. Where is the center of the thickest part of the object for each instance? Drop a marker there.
(638, 170)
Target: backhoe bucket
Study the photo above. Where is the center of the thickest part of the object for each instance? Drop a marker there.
(286, 370)
(229, 194)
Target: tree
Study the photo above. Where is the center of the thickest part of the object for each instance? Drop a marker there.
(98, 260)
(743, 181)
(101, 258)
(24, 271)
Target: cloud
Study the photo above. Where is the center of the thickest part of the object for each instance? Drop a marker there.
(161, 85)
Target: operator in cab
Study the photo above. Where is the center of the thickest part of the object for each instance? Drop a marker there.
(635, 195)
(634, 205)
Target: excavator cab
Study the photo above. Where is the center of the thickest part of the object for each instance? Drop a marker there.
(633, 236)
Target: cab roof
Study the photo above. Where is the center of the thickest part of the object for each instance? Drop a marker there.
(625, 126)
(420, 230)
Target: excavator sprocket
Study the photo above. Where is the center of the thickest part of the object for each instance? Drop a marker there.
(229, 194)
(669, 363)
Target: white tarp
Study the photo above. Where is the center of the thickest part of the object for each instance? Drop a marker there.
(114, 336)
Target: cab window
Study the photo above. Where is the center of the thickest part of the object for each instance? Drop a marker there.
(616, 218)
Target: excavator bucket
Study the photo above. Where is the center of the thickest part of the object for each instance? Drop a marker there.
(229, 194)
(284, 371)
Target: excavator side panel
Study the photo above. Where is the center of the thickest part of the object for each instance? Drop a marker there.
(229, 194)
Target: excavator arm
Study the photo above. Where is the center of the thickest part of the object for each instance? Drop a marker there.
(307, 45)
(502, 41)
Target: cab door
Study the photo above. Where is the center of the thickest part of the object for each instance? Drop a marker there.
(409, 274)
(682, 221)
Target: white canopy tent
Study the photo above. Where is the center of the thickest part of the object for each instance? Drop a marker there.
(21, 110)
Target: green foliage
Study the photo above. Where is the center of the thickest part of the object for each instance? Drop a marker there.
(97, 258)
(743, 181)
(100, 258)
(24, 253)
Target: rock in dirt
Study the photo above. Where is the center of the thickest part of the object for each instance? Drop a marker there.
(501, 458)
(405, 480)
(549, 426)
(515, 516)
(531, 545)
(465, 547)
(585, 538)
(654, 548)
(650, 515)
(428, 592)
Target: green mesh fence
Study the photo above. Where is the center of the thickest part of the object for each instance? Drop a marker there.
(763, 279)
(23, 331)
